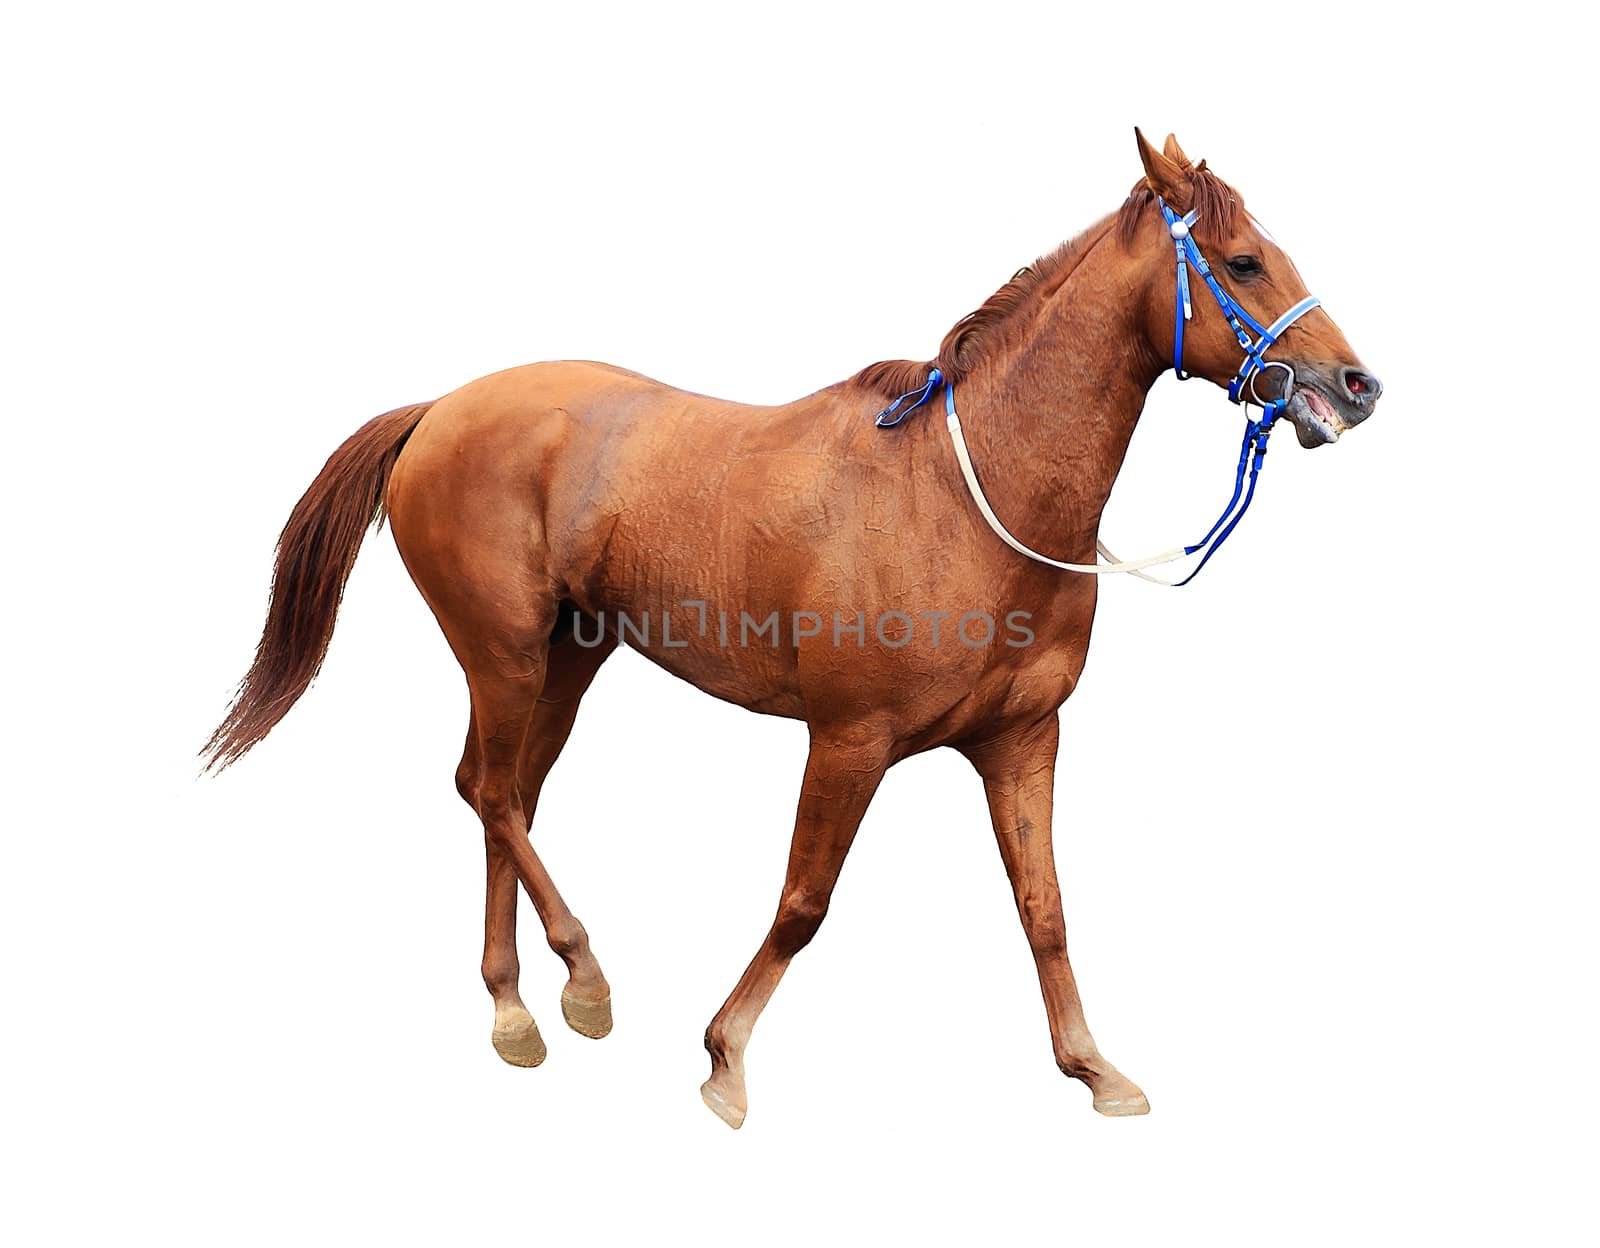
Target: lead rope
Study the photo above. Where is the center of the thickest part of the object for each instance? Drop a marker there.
(1256, 434)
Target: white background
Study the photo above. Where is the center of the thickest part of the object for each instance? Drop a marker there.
(1325, 819)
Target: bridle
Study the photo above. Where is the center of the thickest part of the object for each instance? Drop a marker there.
(1253, 364)
(1241, 390)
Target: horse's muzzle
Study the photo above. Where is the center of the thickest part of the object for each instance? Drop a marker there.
(1329, 399)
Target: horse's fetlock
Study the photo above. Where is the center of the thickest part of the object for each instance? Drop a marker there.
(500, 976)
(568, 940)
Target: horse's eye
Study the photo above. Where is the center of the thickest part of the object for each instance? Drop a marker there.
(1244, 266)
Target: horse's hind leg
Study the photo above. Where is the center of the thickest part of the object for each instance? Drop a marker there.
(516, 1036)
(586, 998)
(520, 722)
(841, 776)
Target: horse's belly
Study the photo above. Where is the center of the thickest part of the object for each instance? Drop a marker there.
(730, 654)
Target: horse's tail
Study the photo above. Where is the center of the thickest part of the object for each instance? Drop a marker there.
(316, 551)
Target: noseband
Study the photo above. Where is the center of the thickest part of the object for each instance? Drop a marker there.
(1242, 390)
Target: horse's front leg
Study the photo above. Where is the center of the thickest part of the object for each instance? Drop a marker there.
(1018, 773)
(842, 774)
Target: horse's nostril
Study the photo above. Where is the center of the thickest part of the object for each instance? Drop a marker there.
(1362, 385)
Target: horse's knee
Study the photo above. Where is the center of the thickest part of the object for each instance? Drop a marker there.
(800, 914)
(1043, 924)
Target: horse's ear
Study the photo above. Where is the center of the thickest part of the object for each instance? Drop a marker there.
(1163, 176)
(1174, 153)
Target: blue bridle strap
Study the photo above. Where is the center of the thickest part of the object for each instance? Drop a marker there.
(1239, 320)
(891, 416)
(1241, 389)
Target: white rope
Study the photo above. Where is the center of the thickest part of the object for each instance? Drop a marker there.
(1105, 553)
(1132, 566)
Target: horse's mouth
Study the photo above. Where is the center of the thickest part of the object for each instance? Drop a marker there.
(1316, 416)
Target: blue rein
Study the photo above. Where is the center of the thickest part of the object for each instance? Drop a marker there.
(1253, 450)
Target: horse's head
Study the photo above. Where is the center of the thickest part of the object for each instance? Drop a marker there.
(1307, 361)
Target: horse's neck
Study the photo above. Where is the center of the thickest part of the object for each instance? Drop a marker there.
(1050, 419)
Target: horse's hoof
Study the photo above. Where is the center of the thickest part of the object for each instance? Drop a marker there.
(721, 1106)
(1115, 1095)
(587, 1018)
(517, 1040)
(1123, 1104)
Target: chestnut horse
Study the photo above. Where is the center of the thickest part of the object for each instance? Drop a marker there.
(797, 560)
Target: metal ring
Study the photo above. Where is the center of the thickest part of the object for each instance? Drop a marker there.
(1262, 367)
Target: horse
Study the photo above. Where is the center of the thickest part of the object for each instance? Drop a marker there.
(534, 505)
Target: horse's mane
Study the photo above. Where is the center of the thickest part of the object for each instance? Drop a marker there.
(979, 333)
